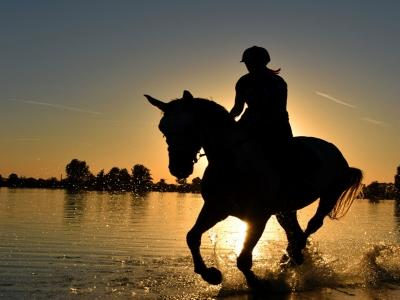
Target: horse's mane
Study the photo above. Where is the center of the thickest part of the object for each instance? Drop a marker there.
(205, 109)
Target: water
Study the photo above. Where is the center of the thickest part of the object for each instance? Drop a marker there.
(60, 245)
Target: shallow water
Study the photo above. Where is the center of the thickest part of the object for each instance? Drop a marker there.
(60, 245)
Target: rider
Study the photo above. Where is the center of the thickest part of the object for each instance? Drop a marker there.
(265, 94)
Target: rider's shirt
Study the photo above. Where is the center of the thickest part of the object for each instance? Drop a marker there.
(265, 96)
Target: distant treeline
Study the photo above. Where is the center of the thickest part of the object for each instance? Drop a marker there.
(139, 181)
(381, 191)
(79, 177)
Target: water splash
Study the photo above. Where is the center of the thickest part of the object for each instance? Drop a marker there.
(377, 264)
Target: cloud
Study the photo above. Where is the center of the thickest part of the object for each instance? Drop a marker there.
(59, 106)
(19, 140)
(100, 120)
(376, 122)
(334, 99)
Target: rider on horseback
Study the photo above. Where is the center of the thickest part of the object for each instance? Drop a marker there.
(265, 94)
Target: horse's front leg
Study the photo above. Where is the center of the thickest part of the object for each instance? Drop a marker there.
(245, 260)
(208, 217)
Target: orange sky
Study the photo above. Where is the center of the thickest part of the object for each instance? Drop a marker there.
(74, 74)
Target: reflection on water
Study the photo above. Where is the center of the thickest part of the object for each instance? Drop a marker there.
(74, 207)
(54, 243)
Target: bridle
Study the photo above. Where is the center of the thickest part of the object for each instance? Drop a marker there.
(181, 146)
(177, 147)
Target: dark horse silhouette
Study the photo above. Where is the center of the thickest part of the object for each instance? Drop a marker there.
(239, 181)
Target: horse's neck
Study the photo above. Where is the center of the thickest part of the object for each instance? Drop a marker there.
(219, 142)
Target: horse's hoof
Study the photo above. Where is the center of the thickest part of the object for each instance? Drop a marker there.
(292, 260)
(212, 276)
(256, 283)
(297, 260)
(285, 259)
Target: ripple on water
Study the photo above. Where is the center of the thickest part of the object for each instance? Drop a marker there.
(122, 247)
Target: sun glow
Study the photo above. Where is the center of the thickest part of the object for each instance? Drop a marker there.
(228, 237)
(241, 228)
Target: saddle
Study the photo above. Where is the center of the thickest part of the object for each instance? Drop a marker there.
(293, 157)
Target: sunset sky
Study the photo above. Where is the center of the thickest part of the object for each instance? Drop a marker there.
(73, 75)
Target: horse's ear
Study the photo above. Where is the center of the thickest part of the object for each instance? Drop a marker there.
(187, 95)
(155, 102)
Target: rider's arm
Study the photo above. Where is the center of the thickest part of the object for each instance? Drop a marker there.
(238, 107)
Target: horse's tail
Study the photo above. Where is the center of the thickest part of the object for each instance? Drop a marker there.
(346, 199)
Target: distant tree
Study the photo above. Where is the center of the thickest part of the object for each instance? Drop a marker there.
(183, 186)
(113, 181)
(397, 184)
(91, 182)
(141, 179)
(161, 186)
(379, 191)
(78, 174)
(101, 181)
(52, 182)
(29, 182)
(40, 183)
(125, 180)
(13, 180)
(375, 191)
(118, 180)
(196, 185)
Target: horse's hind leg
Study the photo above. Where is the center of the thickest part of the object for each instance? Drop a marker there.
(326, 203)
(295, 236)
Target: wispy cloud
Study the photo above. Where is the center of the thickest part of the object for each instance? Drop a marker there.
(54, 105)
(376, 122)
(100, 120)
(334, 99)
(19, 140)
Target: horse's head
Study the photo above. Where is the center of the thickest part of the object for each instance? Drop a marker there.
(178, 126)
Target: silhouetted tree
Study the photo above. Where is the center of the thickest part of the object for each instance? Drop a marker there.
(397, 184)
(77, 174)
(141, 179)
(196, 185)
(118, 180)
(29, 182)
(183, 186)
(13, 180)
(52, 183)
(161, 186)
(1, 181)
(112, 176)
(40, 182)
(125, 180)
(379, 191)
(101, 181)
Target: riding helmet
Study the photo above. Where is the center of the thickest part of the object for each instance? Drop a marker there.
(256, 54)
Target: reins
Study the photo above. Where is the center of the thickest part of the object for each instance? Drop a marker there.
(227, 146)
(199, 155)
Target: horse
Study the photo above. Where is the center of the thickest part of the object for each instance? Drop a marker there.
(239, 180)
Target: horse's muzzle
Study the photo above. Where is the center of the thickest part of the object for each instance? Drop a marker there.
(181, 171)
(182, 159)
